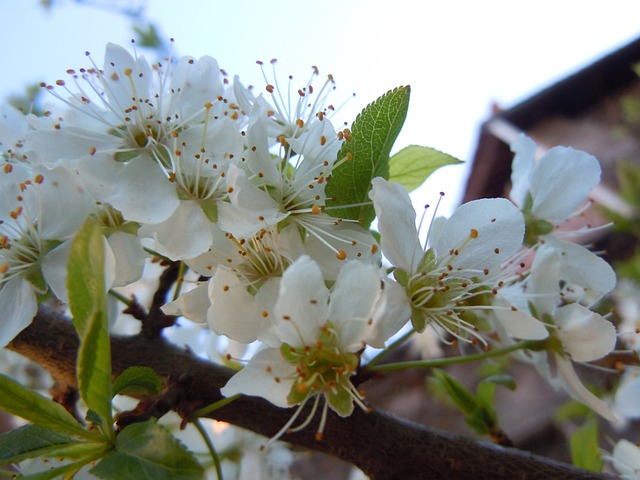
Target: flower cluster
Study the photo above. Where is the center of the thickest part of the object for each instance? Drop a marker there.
(178, 160)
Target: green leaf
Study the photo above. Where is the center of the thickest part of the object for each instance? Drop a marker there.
(85, 275)
(30, 441)
(372, 136)
(506, 381)
(585, 452)
(412, 165)
(137, 381)
(88, 305)
(463, 398)
(147, 451)
(25, 403)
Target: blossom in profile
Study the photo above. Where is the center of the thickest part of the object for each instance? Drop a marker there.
(461, 263)
(576, 333)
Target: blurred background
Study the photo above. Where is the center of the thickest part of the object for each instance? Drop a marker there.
(468, 65)
(461, 58)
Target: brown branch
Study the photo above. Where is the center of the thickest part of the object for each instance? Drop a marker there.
(155, 320)
(383, 446)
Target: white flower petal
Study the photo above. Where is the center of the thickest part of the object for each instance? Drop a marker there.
(267, 375)
(397, 224)
(18, 306)
(54, 269)
(233, 310)
(518, 323)
(626, 459)
(523, 161)
(500, 229)
(561, 182)
(393, 314)
(301, 309)
(130, 257)
(354, 298)
(627, 395)
(578, 391)
(580, 266)
(192, 305)
(185, 234)
(142, 192)
(585, 335)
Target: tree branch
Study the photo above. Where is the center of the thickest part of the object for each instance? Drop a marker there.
(384, 447)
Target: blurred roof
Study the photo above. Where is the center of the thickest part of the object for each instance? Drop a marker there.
(584, 110)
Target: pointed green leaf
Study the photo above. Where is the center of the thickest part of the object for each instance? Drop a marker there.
(372, 135)
(412, 165)
(137, 380)
(147, 451)
(85, 275)
(585, 452)
(30, 441)
(88, 305)
(25, 403)
(464, 399)
(65, 470)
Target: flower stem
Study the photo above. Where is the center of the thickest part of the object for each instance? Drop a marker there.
(210, 447)
(440, 362)
(390, 348)
(201, 412)
(181, 271)
(124, 299)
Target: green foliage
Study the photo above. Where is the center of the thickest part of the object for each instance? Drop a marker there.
(372, 136)
(148, 36)
(412, 165)
(25, 403)
(88, 305)
(478, 408)
(137, 381)
(30, 441)
(583, 443)
(146, 450)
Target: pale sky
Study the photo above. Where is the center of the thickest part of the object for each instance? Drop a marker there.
(458, 56)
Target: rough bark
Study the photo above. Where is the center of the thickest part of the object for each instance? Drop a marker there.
(382, 446)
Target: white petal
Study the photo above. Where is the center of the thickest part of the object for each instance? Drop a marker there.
(523, 161)
(65, 203)
(142, 192)
(627, 395)
(626, 459)
(581, 266)
(267, 375)
(302, 307)
(561, 182)
(171, 235)
(130, 258)
(18, 306)
(233, 310)
(518, 323)
(578, 391)
(393, 314)
(354, 298)
(192, 305)
(585, 335)
(54, 269)
(397, 224)
(251, 208)
(500, 230)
